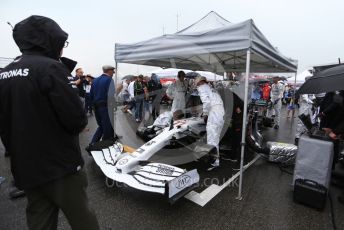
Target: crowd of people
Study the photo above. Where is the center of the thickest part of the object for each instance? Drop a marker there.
(141, 96)
(276, 93)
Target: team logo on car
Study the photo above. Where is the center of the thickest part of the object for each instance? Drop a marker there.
(182, 181)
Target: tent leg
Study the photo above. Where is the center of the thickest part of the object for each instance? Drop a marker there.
(115, 107)
(244, 126)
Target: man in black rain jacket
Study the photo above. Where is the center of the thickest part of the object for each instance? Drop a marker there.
(40, 121)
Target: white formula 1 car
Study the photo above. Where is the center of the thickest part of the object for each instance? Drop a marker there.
(135, 169)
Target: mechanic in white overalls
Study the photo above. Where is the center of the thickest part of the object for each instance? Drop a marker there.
(305, 104)
(165, 118)
(276, 94)
(213, 113)
(177, 91)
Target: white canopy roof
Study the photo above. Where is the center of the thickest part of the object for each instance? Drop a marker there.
(222, 49)
(209, 22)
(301, 77)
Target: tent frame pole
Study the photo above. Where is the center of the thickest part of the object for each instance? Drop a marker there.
(115, 107)
(244, 125)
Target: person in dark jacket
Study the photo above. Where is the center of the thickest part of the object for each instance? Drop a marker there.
(331, 109)
(99, 97)
(155, 93)
(139, 92)
(88, 102)
(336, 133)
(233, 134)
(40, 121)
(236, 129)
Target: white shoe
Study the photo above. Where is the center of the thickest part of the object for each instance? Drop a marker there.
(214, 165)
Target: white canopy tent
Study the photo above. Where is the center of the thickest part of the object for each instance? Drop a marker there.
(232, 47)
(221, 49)
(209, 22)
(301, 77)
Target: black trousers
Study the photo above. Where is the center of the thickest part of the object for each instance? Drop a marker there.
(69, 195)
(88, 103)
(236, 143)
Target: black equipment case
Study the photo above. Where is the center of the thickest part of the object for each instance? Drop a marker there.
(310, 193)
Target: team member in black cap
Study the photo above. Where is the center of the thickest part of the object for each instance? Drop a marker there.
(40, 120)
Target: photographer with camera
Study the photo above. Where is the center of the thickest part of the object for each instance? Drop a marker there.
(88, 102)
(81, 83)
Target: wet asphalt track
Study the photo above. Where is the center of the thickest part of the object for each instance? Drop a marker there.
(267, 199)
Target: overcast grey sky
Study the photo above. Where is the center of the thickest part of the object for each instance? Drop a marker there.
(310, 31)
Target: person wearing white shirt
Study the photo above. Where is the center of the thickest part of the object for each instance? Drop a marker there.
(177, 91)
(131, 89)
(213, 113)
(276, 94)
(131, 96)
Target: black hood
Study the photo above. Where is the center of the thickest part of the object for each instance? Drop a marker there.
(40, 35)
(69, 63)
